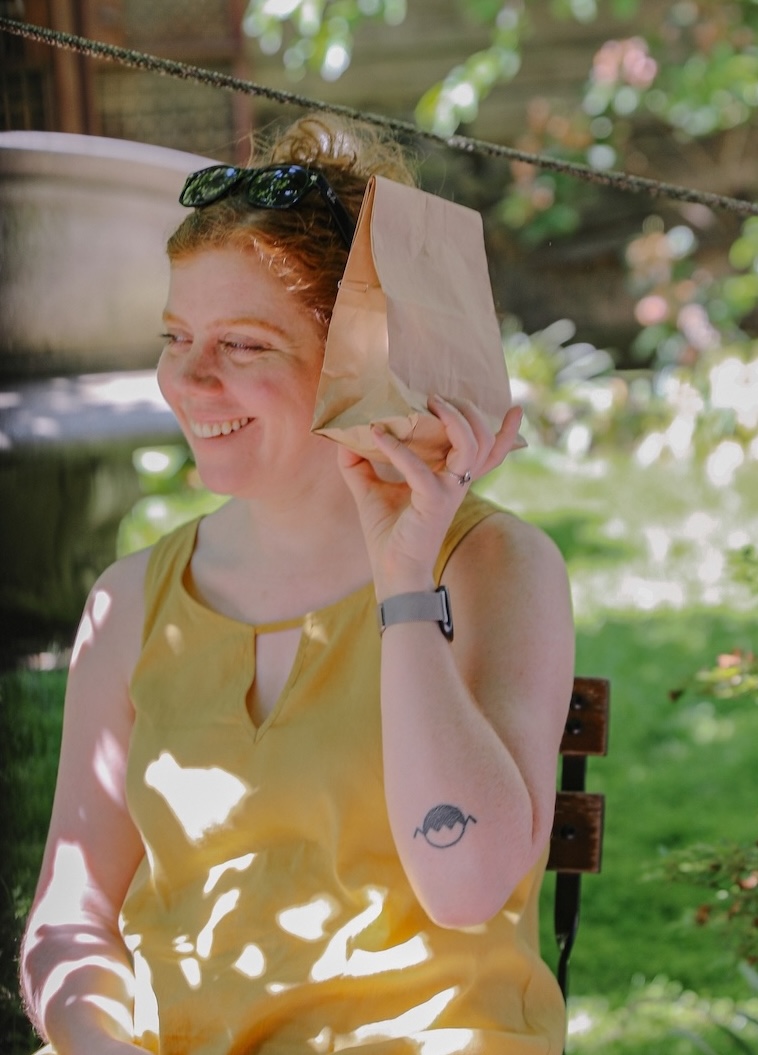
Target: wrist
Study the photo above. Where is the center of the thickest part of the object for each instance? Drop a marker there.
(423, 606)
(408, 579)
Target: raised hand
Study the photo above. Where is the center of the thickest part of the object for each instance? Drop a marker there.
(405, 519)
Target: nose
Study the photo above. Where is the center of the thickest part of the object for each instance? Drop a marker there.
(199, 366)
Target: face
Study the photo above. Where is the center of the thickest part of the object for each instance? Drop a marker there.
(240, 369)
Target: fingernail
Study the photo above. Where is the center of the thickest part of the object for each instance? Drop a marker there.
(520, 443)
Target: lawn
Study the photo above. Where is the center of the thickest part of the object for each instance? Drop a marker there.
(654, 603)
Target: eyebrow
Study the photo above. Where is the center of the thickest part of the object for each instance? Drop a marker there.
(237, 320)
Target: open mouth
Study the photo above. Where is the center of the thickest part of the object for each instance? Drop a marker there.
(207, 431)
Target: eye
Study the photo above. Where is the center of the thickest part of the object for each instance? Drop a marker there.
(243, 348)
(173, 340)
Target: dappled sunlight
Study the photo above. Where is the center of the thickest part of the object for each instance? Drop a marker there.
(580, 1022)
(666, 542)
(342, 959)
(225, 904)
(410, 1022)
(655, 1014)
(723, 462)
(62, 896)
(63, 971)
(236, 864)
(334, 961)
(190, 968)
(107, 763)
(200, 798)
(251, 962)
(92, 620)
(114, 1009)
(174, 638)
(61, 914)
(445, 1041)
(649, 594)
(308, 921)
(190, 954)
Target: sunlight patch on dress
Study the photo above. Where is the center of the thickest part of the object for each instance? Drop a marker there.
(190, 968)
(413, 1021)
(363, 963)
(307, 921)
(199, 798)
(238, 864)
(225, 904)
(251, 962)
(333, 963)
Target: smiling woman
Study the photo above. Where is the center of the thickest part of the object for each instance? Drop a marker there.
(277, 829)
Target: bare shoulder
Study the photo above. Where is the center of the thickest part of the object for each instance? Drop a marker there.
(511, 600)
(113, 616)
(504, 552)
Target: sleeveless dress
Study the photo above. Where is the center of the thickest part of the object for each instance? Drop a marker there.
(270, 914)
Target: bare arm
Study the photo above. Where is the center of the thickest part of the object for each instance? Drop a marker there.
(75, 971)
(470, 729)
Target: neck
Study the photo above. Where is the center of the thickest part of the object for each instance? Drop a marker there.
(303, 527)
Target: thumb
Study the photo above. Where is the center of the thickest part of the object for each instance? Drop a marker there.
(357, 471)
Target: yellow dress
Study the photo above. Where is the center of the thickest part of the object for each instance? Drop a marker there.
(271, 914)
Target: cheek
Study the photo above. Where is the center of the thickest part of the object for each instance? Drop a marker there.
(163, 376)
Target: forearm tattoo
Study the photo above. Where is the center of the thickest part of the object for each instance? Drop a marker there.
(444, 826)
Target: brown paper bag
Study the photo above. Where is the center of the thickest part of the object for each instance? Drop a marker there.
(414, 317)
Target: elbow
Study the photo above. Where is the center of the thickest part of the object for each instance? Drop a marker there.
(483, 889)
(468, 901)
(466, 913)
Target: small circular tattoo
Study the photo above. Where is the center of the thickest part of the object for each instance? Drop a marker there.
(444, 826)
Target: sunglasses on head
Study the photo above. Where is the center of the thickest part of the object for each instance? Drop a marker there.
(273, 187)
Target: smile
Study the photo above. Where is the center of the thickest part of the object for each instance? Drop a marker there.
(218, 428)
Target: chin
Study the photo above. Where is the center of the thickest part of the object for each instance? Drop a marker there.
(219, 480)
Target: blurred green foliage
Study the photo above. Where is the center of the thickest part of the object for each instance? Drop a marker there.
(692, 70)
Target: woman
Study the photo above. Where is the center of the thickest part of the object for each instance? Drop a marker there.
(276, 829)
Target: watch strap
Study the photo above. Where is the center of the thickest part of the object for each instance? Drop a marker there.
(431, 606)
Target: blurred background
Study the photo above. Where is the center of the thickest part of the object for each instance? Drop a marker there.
(630, 330)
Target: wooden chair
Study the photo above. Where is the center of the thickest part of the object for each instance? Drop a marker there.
(576, 842)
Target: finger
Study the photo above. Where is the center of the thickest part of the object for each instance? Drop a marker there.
(357, 471)
(481, 429)
(506, 440)
(411, 467)
(347, 458)
(455, 419)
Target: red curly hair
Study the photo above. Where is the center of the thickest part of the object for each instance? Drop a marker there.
(301, 245)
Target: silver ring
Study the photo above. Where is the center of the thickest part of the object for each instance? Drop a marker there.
(462, 480)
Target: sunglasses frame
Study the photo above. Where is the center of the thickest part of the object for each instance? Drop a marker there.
(243, 180)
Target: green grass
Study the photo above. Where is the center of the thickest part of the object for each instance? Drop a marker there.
(654, 604)
(677, 773)
(31, 706)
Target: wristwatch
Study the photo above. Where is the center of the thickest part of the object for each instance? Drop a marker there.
(427, 606)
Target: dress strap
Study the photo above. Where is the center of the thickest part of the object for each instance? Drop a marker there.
(165, 567)
(472, 511)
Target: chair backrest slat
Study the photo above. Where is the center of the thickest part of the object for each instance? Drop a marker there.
(576, 843)
(586, 731)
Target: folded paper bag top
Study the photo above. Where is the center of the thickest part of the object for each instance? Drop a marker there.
(414, 317)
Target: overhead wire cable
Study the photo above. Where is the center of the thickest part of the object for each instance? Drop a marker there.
(465, 144)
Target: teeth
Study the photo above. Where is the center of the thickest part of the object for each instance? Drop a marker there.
(218, 428)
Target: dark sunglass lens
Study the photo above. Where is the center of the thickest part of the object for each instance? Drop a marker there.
(204, 187)
(278, 187)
